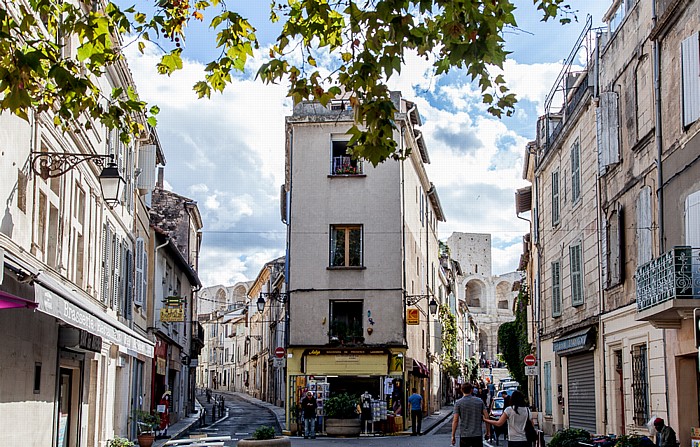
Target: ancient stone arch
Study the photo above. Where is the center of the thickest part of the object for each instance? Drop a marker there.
(474, 293)
(503, 290)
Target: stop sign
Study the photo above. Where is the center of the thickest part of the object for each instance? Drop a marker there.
(530, 360)
(279, 352)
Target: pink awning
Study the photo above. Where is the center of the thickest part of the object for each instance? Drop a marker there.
(9, 301)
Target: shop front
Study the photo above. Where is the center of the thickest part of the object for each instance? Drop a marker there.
(368, 374)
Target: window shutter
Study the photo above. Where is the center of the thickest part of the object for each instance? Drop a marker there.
(147, 164)
(129, 282)
(139, 255)
(556, 289)
(106, 263)
(608, 131)
(692, 220)
(575, 274)
(690, 62)
(555, 197)
(604, 265)
(615, 249)
(144, 282)
(575, 172)
(116, 269)
(644, 226)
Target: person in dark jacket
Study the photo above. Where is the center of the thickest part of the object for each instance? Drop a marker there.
(308, 408)
(667, 436)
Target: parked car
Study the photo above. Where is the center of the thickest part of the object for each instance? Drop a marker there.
(497, 407)
(511, 384)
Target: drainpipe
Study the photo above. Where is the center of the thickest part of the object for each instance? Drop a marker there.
(659, 171)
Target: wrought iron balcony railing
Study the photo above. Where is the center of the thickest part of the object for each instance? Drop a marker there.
(673, 275)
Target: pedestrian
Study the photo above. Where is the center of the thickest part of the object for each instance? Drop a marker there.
(468, 413)
(308, 408)
(208, 395)
(416, 401)
(667, 436)
(506, 399)
(516, 415)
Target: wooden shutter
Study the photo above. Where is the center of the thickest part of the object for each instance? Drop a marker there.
(690, 61)
(144, 282)
(644, 223)
(608, 130)
(605, 251)
(556, 289)
(555, 197)
(106, 263)
(116, 270)
(147, 164)
(576, 275)
(575, 172)
(139, 255)
(616, 257)
(129, 284)
(692, 220)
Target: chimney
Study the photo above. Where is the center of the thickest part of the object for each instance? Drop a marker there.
(159, 183)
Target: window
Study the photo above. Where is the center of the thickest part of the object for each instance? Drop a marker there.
(576, 274)
(346, 246)
(503, 304)
(575, 172)
(342, 163)
(640, 392)
(547, 388)
(644, 224)
(556, 289)
(690, 72)
(555, 198)
(346, 321)
(613, 249)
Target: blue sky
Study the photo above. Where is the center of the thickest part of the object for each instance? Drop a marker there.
(227, 153)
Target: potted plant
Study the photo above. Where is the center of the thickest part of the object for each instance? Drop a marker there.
(119, 442)
(265, 436)
(341, 415)
(146, 425)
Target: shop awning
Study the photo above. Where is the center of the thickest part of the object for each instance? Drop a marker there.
(574, 342)
(419, 369)
(54, 300)
(9, 301)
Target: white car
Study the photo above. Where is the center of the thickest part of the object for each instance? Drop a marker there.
(510, 385)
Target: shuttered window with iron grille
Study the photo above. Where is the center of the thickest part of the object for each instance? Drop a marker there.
(640, 387)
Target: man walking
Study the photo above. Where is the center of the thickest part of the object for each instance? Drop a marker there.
(308, 407)
(416, 401)
(468, 415)
(667, 436)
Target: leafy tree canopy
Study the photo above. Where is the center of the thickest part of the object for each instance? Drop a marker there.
(369, 40)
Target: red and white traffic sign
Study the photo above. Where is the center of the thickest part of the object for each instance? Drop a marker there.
(279, 352)
(530, 360)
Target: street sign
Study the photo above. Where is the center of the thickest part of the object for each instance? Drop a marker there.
(279, 352)
(278, 363)
(530, 360)
(412, 316)
(530, 370)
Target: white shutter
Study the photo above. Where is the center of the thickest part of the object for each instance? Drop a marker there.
(556, 289)
(555, 197)
(690, 61)
(144, 282)
(116, 269)
(601, 139)
(147, 164)
(139, 256)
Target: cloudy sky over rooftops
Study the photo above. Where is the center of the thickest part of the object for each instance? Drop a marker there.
(227, 153)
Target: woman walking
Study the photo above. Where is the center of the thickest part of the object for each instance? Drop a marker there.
(516, 415)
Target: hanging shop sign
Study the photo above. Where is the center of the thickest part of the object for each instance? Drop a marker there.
(412, 316)
(174, 310)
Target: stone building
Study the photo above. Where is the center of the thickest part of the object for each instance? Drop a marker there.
(363, 259)
(489, 298)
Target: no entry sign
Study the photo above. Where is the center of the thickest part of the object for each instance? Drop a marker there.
(279, 352)
(530, 360)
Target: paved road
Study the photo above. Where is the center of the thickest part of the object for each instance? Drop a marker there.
(243, 418)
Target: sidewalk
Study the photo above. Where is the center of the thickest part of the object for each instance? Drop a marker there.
(181, 426)
(432, 420)
(274, 409)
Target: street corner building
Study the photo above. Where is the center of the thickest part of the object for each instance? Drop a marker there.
(612, 255)
(363, 262)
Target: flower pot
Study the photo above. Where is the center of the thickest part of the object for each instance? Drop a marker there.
(146, 439)
(343, 427)
(278, 441)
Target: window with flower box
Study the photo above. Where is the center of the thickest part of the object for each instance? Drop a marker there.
(346, 246)
(342, 162)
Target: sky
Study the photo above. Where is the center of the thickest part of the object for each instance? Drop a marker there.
(227, 152)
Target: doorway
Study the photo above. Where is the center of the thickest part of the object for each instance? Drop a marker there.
(67, 415)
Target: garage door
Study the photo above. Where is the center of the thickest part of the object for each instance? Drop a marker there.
(581, 385)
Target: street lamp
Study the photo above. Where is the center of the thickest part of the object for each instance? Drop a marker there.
(54, 164)
(278, 296)
(412, 300)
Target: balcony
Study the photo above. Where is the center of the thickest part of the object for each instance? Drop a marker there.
(197, 337)
(668, 288)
